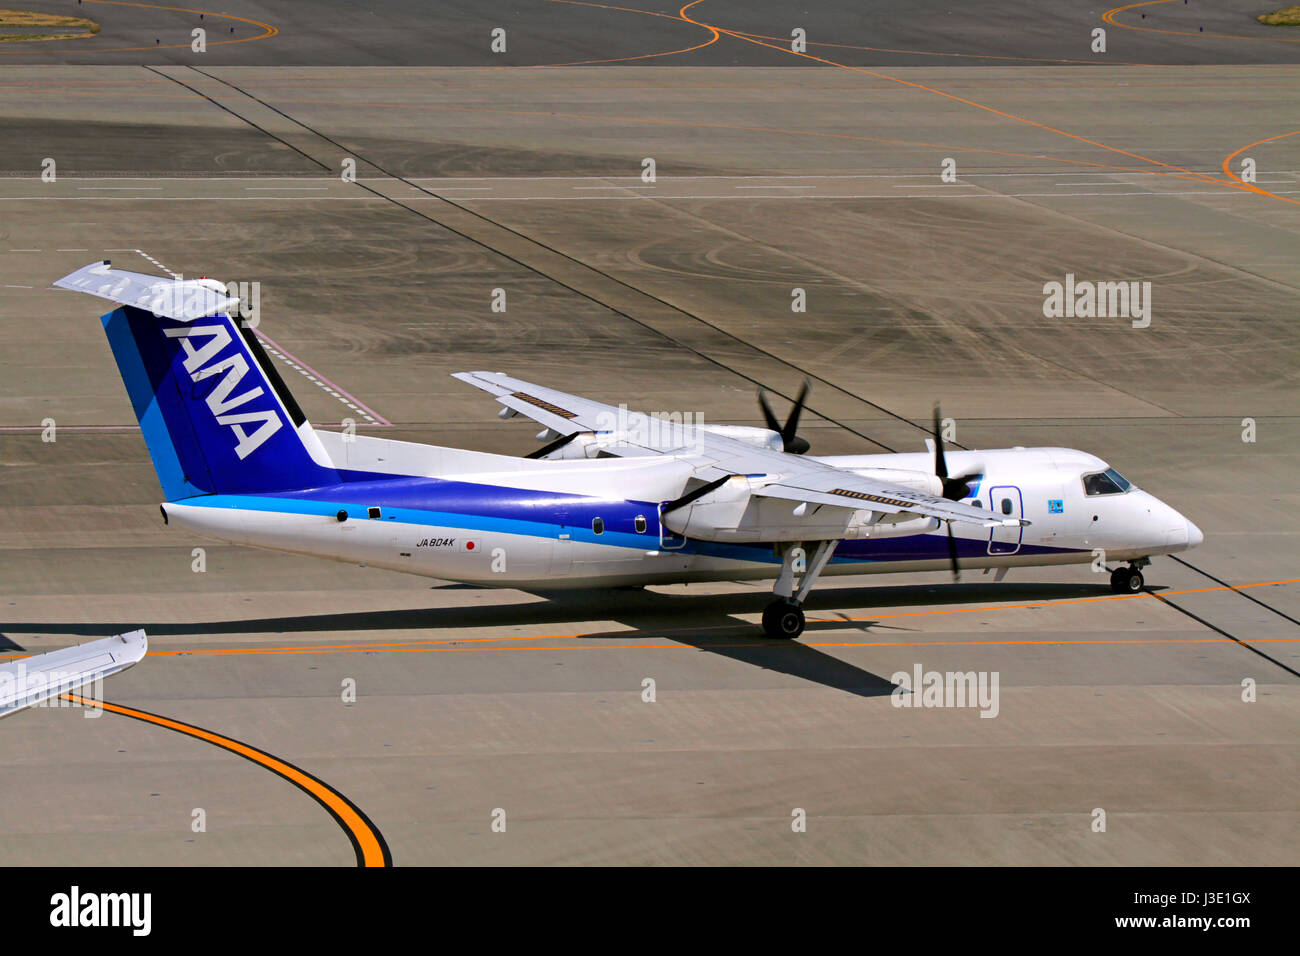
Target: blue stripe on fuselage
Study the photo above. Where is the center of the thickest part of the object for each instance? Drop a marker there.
(470, 506)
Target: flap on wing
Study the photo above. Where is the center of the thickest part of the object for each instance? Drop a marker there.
(28, 681)
(182, 299)
(559, 411)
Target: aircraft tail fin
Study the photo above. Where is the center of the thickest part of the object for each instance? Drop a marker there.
(215, 413)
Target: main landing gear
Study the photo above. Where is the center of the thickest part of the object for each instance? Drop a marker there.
(783, 618)
(1126, 580)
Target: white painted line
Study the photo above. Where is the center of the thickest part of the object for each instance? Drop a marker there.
(119, 187)
(321, 188)
(371, 420)
(174, 275)
(931, 185)
(24, 250)
(613, 187)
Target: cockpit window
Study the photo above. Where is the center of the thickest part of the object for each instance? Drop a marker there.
(1108, 482)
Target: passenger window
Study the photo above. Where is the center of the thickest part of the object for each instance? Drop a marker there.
(1006, 506)
(597, 525)
(640, 524)
(373, 511)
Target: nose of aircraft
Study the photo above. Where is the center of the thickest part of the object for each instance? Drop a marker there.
(1194, 535)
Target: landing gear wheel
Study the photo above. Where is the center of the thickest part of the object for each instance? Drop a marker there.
(1126, 581)
(784, 620)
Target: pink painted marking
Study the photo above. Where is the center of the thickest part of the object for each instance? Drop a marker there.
(356, 401)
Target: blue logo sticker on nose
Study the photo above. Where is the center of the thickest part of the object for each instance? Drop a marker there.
(1055, 506)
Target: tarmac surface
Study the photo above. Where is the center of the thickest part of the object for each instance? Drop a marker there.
(667, 295)
(459, 33)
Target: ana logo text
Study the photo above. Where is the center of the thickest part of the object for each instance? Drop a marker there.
(202, 363)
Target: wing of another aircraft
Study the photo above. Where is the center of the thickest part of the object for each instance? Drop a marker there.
(28, 681)
(770, 473)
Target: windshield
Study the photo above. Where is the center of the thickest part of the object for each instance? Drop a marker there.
(1108, 482)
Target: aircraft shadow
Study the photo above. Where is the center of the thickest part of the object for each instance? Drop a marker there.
(702, 621)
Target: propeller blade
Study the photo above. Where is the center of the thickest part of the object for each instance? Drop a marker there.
(952, 554)
(553, 446)
(690, 496)
(790, 440)
(954, 489)
(768, 418)
(791, 428)
(940, 462)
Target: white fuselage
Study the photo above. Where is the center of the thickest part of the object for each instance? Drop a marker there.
(596, 524)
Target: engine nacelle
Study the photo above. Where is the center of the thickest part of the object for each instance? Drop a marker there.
(913, 480)
(584, 445)
(892, 526)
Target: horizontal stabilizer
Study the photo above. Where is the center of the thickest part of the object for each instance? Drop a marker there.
(181, 299)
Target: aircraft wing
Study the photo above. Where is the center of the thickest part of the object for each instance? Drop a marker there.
(28, 681)
(800, 479)
(771, 473)
(559, 411)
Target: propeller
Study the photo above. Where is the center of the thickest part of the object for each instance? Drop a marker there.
(952, 552)
(790, 441)
(954, 489)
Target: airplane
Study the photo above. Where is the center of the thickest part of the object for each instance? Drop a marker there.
(614, 498)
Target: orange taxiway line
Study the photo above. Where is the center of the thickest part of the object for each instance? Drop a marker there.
(980, 106)
(1227, 162)
(442, 644)
(1109, 17)
(269, 31)
(768, 643)
(371, 849)
(619, 59)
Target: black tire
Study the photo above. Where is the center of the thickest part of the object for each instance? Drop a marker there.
(1126, 581)
(783, 620)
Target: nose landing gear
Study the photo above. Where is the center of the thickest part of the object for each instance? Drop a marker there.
(1126, 580)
